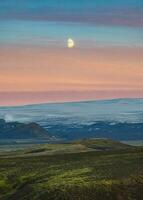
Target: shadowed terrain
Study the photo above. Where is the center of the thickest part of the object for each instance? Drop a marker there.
(17, 130)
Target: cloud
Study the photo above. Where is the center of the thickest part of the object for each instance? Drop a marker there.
(9, 118)
(110, 16)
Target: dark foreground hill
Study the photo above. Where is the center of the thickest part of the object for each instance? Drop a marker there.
(115, 174)
(16, 130)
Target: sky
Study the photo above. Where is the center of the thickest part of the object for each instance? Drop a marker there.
(36, 65)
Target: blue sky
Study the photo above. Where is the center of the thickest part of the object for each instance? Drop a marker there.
(55, 34)
(99, 22)
(99, 12)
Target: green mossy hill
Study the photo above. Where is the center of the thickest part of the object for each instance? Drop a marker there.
(77, 146)
(103, 144)
(76, 175)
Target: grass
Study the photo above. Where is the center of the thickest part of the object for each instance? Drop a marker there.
(77, 171)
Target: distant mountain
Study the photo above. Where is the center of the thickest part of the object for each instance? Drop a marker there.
(116, 131)
(16, 130)
(119, 119)
(119, 110)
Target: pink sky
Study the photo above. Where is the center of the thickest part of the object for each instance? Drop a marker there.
(79, 73)
(23, 98)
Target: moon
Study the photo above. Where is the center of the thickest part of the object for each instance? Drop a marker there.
(70, 43)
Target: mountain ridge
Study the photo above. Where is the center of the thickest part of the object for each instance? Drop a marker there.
(73, 102)
(16, 130)
(119, 119)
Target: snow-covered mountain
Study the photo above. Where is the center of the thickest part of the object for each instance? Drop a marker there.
(120, 119)
(116, 110)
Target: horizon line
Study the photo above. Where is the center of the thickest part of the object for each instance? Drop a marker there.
(66, 102)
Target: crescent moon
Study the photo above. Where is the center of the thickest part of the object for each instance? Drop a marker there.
(70, 43)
